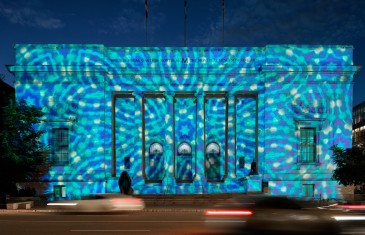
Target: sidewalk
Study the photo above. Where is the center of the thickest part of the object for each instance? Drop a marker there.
(146, 209)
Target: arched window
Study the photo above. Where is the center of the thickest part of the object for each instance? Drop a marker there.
(213, 148)
(184, 149)
(155, 149)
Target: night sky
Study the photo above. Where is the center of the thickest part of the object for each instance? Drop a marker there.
(123, 23)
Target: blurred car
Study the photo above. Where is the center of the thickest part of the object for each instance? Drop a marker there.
(108, 202)
(351, 217)
(270, 215)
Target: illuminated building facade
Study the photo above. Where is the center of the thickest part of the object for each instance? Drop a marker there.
(190, 120)
(358, 125)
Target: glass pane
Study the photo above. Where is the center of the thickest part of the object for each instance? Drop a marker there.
(57, 191)
(60, 145)
(184, 148)
(307, 144)
(63, 191)
(156, 149)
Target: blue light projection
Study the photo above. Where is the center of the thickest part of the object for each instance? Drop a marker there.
(215, 131)
(245, 133)
(154, 130)
(143, 103)
(185, 113)
(125, 130)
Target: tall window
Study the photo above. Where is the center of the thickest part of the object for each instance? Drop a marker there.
(60, 145)
(308, 144)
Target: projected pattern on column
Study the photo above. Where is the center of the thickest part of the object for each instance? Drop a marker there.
(125, 133)
(215, 136)
(154, 130)
(185, 137)
(245, 133)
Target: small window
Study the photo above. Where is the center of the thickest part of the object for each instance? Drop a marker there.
(59, 191)
(213, 148)
(184, 149)
(308, 144)
(60, 145)
(127, 162)
(308, 190)
(155, 149)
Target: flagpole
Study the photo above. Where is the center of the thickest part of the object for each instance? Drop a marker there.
(146, 35)
(222, 22)
(146, 9)
(185, 3)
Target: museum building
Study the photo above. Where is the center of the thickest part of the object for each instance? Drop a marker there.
(181, 120)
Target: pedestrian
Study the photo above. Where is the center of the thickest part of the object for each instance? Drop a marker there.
(253, 170)
(125, 183)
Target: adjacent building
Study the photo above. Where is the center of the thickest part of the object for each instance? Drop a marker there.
(198, 120)
(358, 124)
(7, 93)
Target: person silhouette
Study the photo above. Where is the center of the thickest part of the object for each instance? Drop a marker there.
(124, 183)
(253, 170)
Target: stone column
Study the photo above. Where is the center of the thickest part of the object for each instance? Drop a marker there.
(232, 161)
(169, 182)
(137, 177)
(200, 181)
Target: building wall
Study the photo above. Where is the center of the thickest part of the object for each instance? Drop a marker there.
(252, 102)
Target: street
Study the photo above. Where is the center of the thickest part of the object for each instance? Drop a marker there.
(159, 222)
(77, 224)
